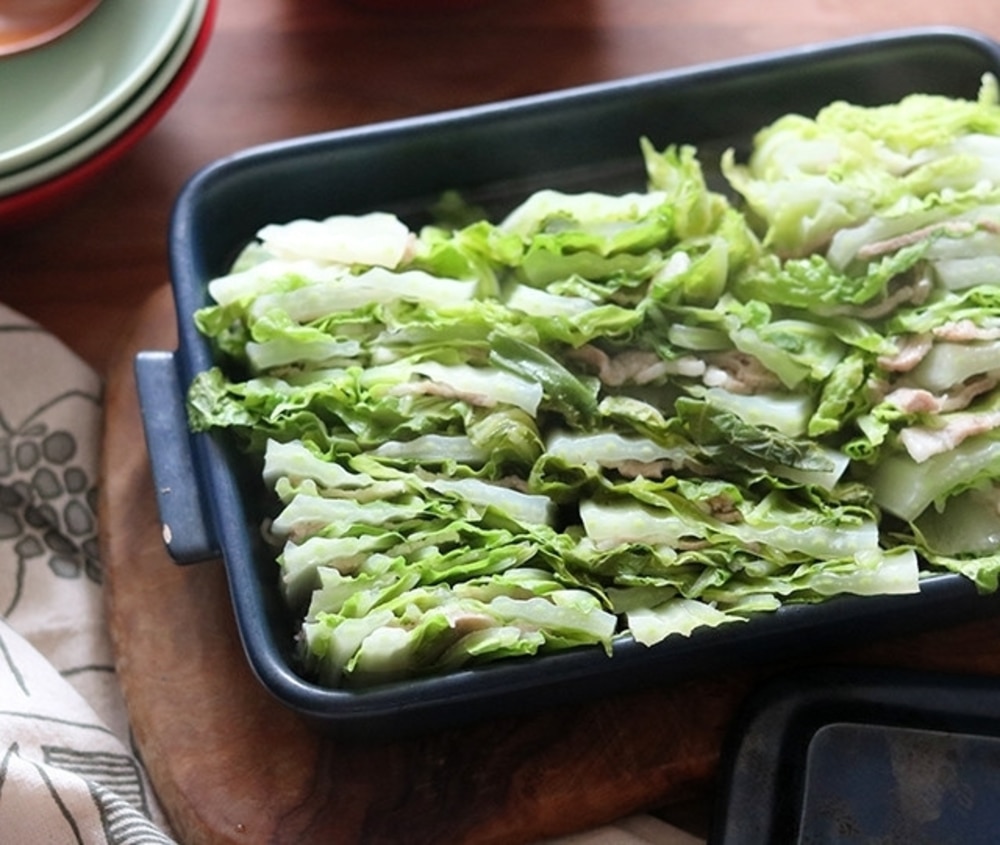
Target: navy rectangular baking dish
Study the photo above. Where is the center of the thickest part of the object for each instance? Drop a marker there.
(580, 139)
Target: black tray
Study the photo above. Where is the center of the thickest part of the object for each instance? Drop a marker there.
(586, 138)
(836, 756)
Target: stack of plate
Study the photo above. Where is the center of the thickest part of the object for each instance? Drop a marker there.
(73, 106)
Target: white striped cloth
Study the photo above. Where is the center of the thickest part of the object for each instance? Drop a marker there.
(67, 771)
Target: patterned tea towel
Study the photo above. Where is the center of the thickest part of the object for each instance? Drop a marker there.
(68, 772)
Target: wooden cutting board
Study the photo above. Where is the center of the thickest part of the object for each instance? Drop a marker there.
(232, 765)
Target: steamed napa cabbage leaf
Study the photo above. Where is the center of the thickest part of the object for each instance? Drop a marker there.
(610, 416)
(808, 178)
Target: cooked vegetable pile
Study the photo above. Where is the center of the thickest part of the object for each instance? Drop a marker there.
(629, 415)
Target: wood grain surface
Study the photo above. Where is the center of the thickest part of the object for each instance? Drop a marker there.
(229, 763)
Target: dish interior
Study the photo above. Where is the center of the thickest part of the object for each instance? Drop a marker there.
(839, 754)
(931, 784)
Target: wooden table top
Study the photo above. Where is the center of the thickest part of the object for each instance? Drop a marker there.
(279, 68)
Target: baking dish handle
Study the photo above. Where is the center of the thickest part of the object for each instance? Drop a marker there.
(187, 533)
